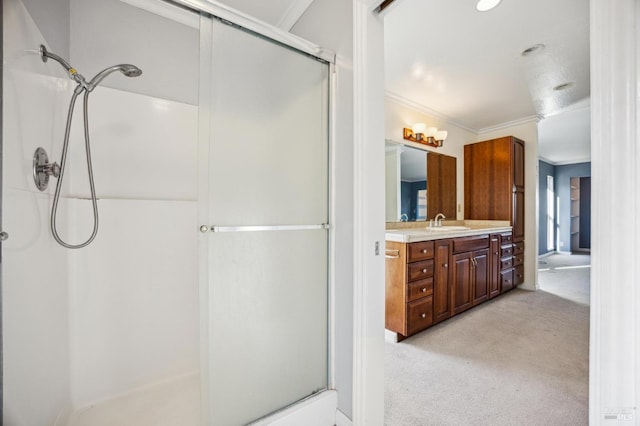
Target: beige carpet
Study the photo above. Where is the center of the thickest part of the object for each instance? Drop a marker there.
(520, 359)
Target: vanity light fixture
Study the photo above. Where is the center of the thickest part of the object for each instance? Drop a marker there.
(430, 136)
(484, 5)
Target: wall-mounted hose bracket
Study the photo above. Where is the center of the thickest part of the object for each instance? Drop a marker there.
(42, 169)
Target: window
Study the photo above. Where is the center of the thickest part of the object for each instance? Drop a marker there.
(550, 214)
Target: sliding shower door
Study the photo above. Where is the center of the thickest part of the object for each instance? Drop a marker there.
(265, 224)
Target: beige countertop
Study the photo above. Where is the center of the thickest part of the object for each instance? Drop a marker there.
(423, 232)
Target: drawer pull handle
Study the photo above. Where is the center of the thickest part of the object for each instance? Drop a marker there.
(446, 265)
(424, 290)
(424, 271)
(424, 251)
(423, 315)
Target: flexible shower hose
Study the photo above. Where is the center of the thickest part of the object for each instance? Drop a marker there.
(63, 161)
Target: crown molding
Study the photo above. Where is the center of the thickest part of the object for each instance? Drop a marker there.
(565, 162)
(531, 119)
(428, 111)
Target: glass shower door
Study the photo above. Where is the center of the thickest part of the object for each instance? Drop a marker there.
(267, 202)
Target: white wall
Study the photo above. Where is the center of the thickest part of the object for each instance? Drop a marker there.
(399, 116)
(313, 26)
(35, 290)
(528, 132)
(109, 32)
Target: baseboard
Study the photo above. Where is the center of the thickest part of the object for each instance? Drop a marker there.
(342, 419)
(547, 254)
(563, 252)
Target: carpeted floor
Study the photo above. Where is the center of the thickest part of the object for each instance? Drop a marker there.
(519, 359)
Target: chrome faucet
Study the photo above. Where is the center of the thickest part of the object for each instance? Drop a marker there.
(438, 219)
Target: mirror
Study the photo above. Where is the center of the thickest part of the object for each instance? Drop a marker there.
(419, 184)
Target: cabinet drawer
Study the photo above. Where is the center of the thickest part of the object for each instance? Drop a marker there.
(506, 238)
(419, 315)
(506, 251)
(506, 280)
(518, 260)
(418, 289)
(420, 270)
(518, 247)
(506, 263)
(470, 243)
(420, 251)
(518, 275)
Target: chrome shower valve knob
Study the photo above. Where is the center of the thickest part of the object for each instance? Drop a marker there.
(42, 169)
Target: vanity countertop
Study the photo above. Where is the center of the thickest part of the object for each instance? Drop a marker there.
(415, 234)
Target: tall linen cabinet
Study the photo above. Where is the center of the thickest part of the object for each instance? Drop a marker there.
(494, 189)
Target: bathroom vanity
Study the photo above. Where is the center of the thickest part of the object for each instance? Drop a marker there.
(435, 273)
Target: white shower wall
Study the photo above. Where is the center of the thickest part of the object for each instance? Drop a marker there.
(134, 290)
(86, 325)
(35, 311)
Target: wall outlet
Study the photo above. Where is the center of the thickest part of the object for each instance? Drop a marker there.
(561, 243)
(459, 208)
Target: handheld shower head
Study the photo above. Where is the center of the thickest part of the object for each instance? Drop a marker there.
(126, 69)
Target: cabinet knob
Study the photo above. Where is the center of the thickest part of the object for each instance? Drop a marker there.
(424, 271)
(423, 315)
(424, 290)
(424, 251)
(446, 265)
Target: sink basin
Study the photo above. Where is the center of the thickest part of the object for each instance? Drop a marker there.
(447, 228)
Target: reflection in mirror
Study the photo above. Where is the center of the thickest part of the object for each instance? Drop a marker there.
(406, 183)
(419, 184)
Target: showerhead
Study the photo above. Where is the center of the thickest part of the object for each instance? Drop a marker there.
(126, 69)
(130, 70)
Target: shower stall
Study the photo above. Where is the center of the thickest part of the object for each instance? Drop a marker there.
(206, 297)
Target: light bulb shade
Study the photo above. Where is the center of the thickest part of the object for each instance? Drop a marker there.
(419, 128)
(484, 5)
(441, 135)
(431, 132)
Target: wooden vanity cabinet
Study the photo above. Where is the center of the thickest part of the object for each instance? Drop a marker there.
(428, 282)
(409, 286)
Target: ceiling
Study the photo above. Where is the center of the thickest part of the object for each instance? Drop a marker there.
(467, 66)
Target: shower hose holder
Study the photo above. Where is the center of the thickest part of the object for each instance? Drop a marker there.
(43, 169)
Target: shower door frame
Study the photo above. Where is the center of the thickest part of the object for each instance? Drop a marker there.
(302, 46)
(1, 204)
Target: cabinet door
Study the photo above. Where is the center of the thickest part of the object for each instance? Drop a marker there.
(461, 282)
(441, 291)
(518, 164)
(518, 216)
(494, 266)
(480, 276)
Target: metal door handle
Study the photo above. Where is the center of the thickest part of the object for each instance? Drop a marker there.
(4, 236)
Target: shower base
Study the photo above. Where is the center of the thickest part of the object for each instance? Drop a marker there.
(175, 402)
